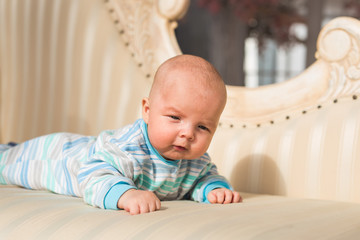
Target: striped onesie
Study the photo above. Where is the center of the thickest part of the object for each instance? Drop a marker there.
(100, 169)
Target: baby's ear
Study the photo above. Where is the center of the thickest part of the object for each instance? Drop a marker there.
(145, 109)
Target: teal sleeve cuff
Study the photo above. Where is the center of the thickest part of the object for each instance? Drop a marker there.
(113, 195)
(212, 186)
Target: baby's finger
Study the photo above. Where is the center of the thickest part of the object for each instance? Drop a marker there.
(152, 206)
(212, 197)
(220, 196)
(157, 204)
(144, 208)
(228, 196)
(236, 197)
(134, 209)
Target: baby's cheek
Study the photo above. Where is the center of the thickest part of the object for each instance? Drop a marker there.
(203, 145)
(161, 140)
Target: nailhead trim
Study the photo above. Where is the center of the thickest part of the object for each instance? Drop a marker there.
(258, 125)
(121, 32)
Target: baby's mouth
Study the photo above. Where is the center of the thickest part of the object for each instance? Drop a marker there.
(179, 148)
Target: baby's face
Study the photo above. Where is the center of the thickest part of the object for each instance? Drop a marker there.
(182, 119)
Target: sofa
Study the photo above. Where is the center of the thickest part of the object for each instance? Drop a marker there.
(292, 149)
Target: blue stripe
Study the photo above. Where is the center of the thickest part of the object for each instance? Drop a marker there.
(91, 150)
(24, 168)
(74, 143)
(129, 134)
(112, 196)
(102, 165)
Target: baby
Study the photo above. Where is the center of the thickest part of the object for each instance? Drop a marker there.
(160, 157)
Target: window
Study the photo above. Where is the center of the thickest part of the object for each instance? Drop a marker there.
(224, 41)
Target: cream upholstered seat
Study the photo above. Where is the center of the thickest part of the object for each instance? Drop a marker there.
(84, 65)
(38, 215)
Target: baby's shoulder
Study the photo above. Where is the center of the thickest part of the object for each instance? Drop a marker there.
(126, 135)
(126, 140)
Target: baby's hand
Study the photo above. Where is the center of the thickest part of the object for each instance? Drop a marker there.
(223, 195)
(138, 201)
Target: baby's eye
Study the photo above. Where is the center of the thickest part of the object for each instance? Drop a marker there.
(174, 117)
(202, 127)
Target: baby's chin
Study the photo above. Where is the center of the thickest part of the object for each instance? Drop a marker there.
(176, 157)
(171, 158)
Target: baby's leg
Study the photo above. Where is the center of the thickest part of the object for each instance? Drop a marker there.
(43, 163)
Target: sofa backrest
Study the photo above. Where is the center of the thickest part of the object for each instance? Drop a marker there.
(80, 65)
(299, 138)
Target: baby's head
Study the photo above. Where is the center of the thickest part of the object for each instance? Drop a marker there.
(184, 106)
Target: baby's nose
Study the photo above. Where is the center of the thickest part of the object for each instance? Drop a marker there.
(188, 133)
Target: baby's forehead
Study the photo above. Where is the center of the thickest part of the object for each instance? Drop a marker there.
(188, 77)
(188, 72)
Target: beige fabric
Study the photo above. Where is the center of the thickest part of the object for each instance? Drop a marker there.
(300, 137)
(79, 65)
(41, 215)
(314, 154)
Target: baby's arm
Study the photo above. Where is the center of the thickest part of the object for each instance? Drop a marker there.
(138, 201)
(223, 196)
(214, 188)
